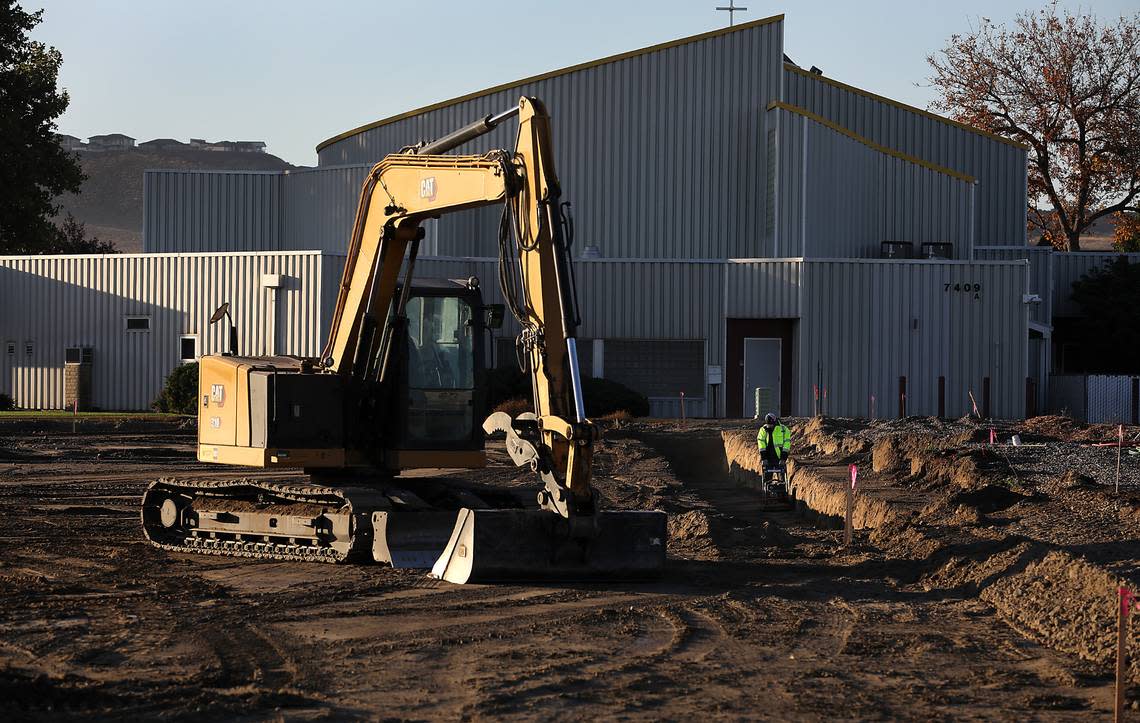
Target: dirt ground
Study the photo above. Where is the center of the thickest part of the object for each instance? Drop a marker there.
(761, 613)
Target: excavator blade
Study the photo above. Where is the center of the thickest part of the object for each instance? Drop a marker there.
(411, 539)
(505, 545)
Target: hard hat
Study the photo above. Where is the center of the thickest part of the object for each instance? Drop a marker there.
(770, 418)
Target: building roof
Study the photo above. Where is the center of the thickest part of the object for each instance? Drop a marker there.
(903, 106)
(109, 136)
(66, 136)
(870, 143)
(552, 74)
(162, 142)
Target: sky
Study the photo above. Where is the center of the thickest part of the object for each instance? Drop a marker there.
(295, 73)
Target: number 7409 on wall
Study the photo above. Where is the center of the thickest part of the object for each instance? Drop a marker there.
(975, 289)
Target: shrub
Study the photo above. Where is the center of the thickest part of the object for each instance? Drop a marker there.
(508, 390)
(514, 407)
(180, 393)
(506, 384)
(604, 396)
(6, 403)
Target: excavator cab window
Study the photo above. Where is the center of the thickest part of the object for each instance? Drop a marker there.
(441, 369)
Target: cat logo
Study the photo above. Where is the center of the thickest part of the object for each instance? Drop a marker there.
(218, 394)
(427, 188)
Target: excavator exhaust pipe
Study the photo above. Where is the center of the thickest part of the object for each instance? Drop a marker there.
(506, 545)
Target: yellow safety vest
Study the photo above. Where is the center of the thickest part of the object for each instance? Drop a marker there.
(781, 439)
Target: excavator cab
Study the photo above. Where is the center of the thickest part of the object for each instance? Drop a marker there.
(441, 395)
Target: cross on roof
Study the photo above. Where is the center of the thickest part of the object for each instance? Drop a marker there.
(732, 8)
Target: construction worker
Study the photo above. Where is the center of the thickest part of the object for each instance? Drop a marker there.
(774, 441)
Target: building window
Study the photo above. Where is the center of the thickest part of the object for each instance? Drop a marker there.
(28, 348)
(188, 348)
(78, 355)
(11, 348)
(138, 323)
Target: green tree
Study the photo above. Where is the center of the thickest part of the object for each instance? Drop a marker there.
(35, 169)
(180, 392)
(1108, 334)
(72, 239)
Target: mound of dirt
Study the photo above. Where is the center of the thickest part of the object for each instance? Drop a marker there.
(1066, 603)
(833, 435)
(987, 499)
(690, 535)
(1064, 429)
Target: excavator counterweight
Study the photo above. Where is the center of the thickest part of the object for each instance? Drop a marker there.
(400, 386)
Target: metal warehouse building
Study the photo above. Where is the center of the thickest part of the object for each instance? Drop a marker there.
(731, 211)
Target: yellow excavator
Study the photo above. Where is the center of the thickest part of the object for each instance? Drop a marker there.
(399, 387)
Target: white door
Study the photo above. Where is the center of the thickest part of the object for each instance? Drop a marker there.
(761, 371)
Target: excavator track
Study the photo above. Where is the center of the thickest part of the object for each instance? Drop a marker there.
(262, 519)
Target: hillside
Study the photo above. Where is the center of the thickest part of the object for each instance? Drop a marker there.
(111, 202)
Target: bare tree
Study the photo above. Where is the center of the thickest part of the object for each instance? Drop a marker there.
(1069, 89)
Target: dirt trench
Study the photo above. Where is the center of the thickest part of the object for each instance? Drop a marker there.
(1053, 594)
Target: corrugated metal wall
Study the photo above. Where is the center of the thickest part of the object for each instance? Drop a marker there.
(195, 211)
(55, 302)
(319, 207)
(1040, 275)
(869, 322)
(855, 317)
(662, 154)
(841, 198)
(1071, 266)
(620, 299)
(211, 211)
(999, 166)
(762, 288)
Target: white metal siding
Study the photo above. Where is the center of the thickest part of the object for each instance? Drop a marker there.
(61, 301)
(211, 211)
(840, 198)
(319, 207)
(858, 323)
(195, 211)
(662, 154)
(762, 288)
(1040, 275)
(999, 167)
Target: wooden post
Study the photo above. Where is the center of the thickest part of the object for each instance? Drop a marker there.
(902, 397)
(682, 406)
(942, 397)
(1119, 444)
(974, 404)
(848, 524)
(986, 397)
(1126, 598)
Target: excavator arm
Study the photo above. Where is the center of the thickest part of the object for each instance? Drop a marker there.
(405, 189)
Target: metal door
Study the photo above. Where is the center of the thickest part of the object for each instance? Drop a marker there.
(761, 372)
